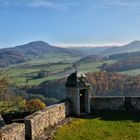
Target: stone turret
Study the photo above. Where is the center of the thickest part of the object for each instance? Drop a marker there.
(78, 91)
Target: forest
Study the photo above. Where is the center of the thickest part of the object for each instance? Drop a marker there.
(114, 84)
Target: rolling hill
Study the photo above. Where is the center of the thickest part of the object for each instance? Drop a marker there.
(127, 55)
(131, 47)
(38, 49)
(29, 51)
(109, 50)
(124, 62)
(90, 50)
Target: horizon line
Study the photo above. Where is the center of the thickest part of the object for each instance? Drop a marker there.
(73, 45)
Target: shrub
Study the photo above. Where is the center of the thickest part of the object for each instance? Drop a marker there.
(35, 105)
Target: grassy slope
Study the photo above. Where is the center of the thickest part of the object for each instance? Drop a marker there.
(107, 127)
(19, 71)
(93, 67)
(19, 74)
(53, 58)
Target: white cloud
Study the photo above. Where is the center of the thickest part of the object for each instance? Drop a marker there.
(122, 3)
(38, 3)
(119, 6)
(67, 45)
(45, 3)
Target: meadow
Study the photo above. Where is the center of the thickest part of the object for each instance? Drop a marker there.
(20, 72)
(56, 66)
(52, 63)
(106, 126)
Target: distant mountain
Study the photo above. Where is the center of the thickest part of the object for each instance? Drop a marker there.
(90, 50)
(131, 47)
(37, 49)
(31, 50)
(109, 50)
(127, 55)
(124, 62)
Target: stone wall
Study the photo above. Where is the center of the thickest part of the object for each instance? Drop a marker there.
(37, 122)
(13, 132)
(135, 101)
(115, 103)
(107, 103)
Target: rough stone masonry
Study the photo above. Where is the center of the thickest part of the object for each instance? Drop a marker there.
(13, 131)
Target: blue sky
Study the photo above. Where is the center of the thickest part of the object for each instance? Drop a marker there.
(69, 22)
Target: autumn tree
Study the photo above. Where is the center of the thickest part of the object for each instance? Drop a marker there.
(112, 83)
(35, 105)
(4, 81)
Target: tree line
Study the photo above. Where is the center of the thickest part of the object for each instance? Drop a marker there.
(122, 65)
(114, 84)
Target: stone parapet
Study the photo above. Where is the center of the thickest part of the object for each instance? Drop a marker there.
(36, 123)
(13, 131)
(115, 103)
(107, 103)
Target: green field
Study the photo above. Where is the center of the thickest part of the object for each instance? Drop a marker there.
(54, 63)
(50, 58)
(59, 65)
(107, 126)
(93, 67)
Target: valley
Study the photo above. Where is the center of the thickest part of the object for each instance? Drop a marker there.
(46, 67)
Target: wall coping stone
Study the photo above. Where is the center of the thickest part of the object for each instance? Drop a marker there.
(39, 113)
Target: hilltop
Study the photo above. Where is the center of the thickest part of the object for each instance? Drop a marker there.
(131, 47)
(29, 51)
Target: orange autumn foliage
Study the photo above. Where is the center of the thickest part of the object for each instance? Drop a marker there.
(35, 105)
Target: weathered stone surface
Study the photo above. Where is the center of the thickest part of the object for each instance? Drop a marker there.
(73, 94)
(135, 101)
(13, 132)
(37, 122)
(115, 103)
(48, 133)
(107, 103)
(2, 123)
